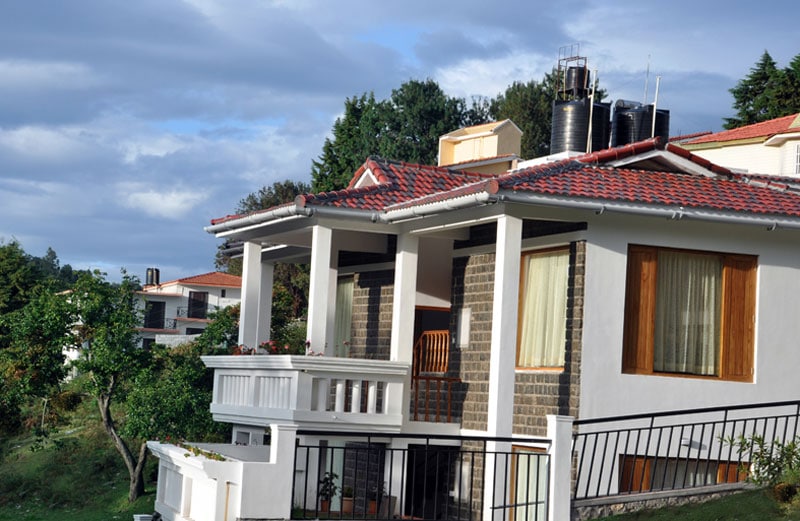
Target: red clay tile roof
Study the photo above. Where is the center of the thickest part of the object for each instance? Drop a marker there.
(587, 177)
(214, 278)
(398, 182)
(765, 129)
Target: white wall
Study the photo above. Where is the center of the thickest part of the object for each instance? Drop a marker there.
(605, 391)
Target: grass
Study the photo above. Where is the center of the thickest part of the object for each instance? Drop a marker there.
(75, 474)
(752, 505)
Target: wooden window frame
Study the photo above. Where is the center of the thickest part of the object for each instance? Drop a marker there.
(521, 297)
(636, 472)
(737, 314)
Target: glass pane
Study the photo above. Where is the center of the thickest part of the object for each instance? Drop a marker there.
(687, 325)
(543, 309)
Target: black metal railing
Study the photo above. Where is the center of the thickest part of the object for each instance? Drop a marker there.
(194, 311)
(674, 449)
(363, 476)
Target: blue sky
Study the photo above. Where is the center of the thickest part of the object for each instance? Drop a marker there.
(126, 126)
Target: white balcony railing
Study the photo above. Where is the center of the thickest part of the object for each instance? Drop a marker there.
(312, 392)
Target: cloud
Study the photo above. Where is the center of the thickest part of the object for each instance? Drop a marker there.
(160, 202)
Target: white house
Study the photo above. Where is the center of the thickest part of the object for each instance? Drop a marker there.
(771, 147)
(178, 309)
(491, 321)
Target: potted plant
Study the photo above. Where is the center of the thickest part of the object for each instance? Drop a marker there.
(347, 500)
(377, 493)
(327, 490)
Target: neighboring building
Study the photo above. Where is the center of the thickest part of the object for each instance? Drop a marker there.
(510, 337)
(178, 310)
(771, 147)
(491, 148)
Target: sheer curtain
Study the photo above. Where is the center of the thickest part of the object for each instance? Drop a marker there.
(344, 316)
(543, 309)
(530, 485)
(687, 313)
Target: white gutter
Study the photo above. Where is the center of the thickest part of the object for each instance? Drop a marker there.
(478, 199)
(669, 213)
(290, 211)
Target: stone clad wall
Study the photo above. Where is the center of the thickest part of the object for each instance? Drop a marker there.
(372, 315)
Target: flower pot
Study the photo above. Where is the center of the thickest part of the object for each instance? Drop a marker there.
(347, 505)
(324, 505)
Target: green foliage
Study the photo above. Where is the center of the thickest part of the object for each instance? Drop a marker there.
(770, 462)
(405, 127)
(328, 489)
(530, 106)
(172, 397)
(767, 92)
(222, 332)
(107, 332)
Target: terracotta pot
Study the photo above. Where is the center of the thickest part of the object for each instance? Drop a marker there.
(347, 505)
(324, 505)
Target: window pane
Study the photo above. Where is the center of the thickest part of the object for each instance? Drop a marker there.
(543, 309)
(687, 325)
(530, 485)
(344, 316)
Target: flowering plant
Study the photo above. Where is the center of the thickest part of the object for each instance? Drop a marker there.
(274, 348)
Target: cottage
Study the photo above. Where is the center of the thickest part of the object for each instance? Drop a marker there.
(477, 327)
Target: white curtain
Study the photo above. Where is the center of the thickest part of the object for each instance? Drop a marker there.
(543, 309)
(687, 313)
(674, 474)
(344, 316)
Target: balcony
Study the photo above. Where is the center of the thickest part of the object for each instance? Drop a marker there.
(310, 391)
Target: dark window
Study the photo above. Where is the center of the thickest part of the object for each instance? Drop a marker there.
(154, 315)
(198, 304)
(194, 330)
(222, 293)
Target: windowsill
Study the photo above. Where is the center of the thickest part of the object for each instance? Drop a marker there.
(687, 376)
(559, 369)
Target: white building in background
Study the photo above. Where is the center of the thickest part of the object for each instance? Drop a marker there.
(178, 310)
(770, 147)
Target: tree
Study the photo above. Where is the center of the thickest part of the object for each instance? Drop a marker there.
(171, 398)
(110, 358)
(530, 106)
(767, 92)
(34, 362)
(406, 127)
(356, 135)
(418, 113)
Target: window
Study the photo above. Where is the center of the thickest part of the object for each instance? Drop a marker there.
(154, 314)
(690, 313)
(643, 474)
(542, 324)
(529, 484)
(198, 304)
(343, 321)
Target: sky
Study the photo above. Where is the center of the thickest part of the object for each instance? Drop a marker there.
(126, 126)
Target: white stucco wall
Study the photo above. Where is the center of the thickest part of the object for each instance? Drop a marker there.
(756, 158)
(606, 391)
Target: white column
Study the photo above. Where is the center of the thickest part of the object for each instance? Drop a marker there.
(265, 303)
(405, 297)
(502, 358)
(321, 300)
(251, 288)
(404, 300)
(559, 432)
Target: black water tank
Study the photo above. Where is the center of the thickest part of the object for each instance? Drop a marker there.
(576, 81)
(152, 277)
(633, 122)
(571, 126)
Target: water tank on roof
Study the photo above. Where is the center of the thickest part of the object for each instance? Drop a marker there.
(633, 122)
(576, 81)
(570, 129)
(152, 277)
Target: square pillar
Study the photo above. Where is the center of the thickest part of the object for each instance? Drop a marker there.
(251, 298)
(322, 290)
